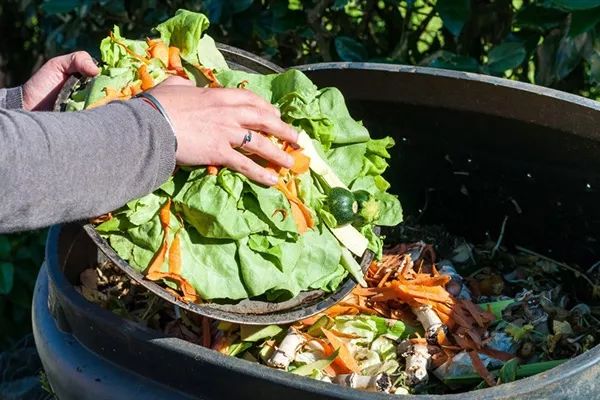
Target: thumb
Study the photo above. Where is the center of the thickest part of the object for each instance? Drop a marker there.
(79, 62)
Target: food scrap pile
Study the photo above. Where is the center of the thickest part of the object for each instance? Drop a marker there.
(211, 234)
(475, 317)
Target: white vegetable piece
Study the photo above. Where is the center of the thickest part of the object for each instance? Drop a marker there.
(348, 235)
(287, 350)
(377, 383)
(417, 361)
(429, 319)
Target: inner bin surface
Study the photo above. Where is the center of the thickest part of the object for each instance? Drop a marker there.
(467, 171)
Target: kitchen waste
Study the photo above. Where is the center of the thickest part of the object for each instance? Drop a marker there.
(211, 234)
(429, 320)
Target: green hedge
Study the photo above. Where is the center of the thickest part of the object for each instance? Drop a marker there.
(553, 43)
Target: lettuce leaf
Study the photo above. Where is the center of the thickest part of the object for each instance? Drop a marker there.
(186, 32)
(238, 238)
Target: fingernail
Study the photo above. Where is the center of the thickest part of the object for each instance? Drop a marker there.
(272, 179)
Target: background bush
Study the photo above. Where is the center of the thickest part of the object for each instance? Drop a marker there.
(554, 43)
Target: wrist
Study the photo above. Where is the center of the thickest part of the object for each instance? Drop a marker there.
(154, 103)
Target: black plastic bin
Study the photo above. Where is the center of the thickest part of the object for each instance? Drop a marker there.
(470, 150)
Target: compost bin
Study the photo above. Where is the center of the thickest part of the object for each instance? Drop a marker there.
(471, 150)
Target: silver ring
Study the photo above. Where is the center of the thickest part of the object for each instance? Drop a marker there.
(247, 138)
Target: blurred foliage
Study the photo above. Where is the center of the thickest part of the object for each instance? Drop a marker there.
(20, 258)
(554, 43)
(548, 42)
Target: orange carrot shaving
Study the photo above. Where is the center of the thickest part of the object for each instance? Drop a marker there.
(385, 278)
(154, 272)
(209, 75)
(301, 161)
(144, 75)
(299, 218)
(159, 50)
(175, 255)
(157, 261)
(174, 59)
(344, 359)
(294, 199)
(212, 170)
(291, 185)
(111, 95)
(481, 369)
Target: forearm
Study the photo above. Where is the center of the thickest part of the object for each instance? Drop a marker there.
(59, 167)
(11, 98)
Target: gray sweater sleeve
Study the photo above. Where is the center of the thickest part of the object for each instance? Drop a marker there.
(11, 98)
(59, 167)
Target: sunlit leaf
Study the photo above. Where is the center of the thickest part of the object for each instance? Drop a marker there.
(506, 56)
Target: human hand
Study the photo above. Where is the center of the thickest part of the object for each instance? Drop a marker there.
(40, 91)
(211, 123)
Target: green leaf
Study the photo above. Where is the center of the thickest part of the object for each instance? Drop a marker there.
(184, 31)
(594, 67)
(254, 333)
(448, 60)
(569, 54)
(508, 372)
(209, 56)
(454, 14)
(52, 7)
(573, 4)
(506, 56)
(318, 365)
(523, 371)
(545, 71)
(584, 21)
(7, 272)
(496, 307)
(353, 267)
(539, 18)
(237, 6)
(350, 49)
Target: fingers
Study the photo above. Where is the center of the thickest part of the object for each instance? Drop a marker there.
(249, 168)
(79, 62)
(263, 147)
(242, 97)
(258, 119)
(177, 81)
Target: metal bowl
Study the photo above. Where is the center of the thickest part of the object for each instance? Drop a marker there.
(247, 311)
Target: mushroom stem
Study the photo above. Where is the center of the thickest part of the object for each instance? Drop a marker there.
(417, 361)
(376, 383)
(287, 350)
